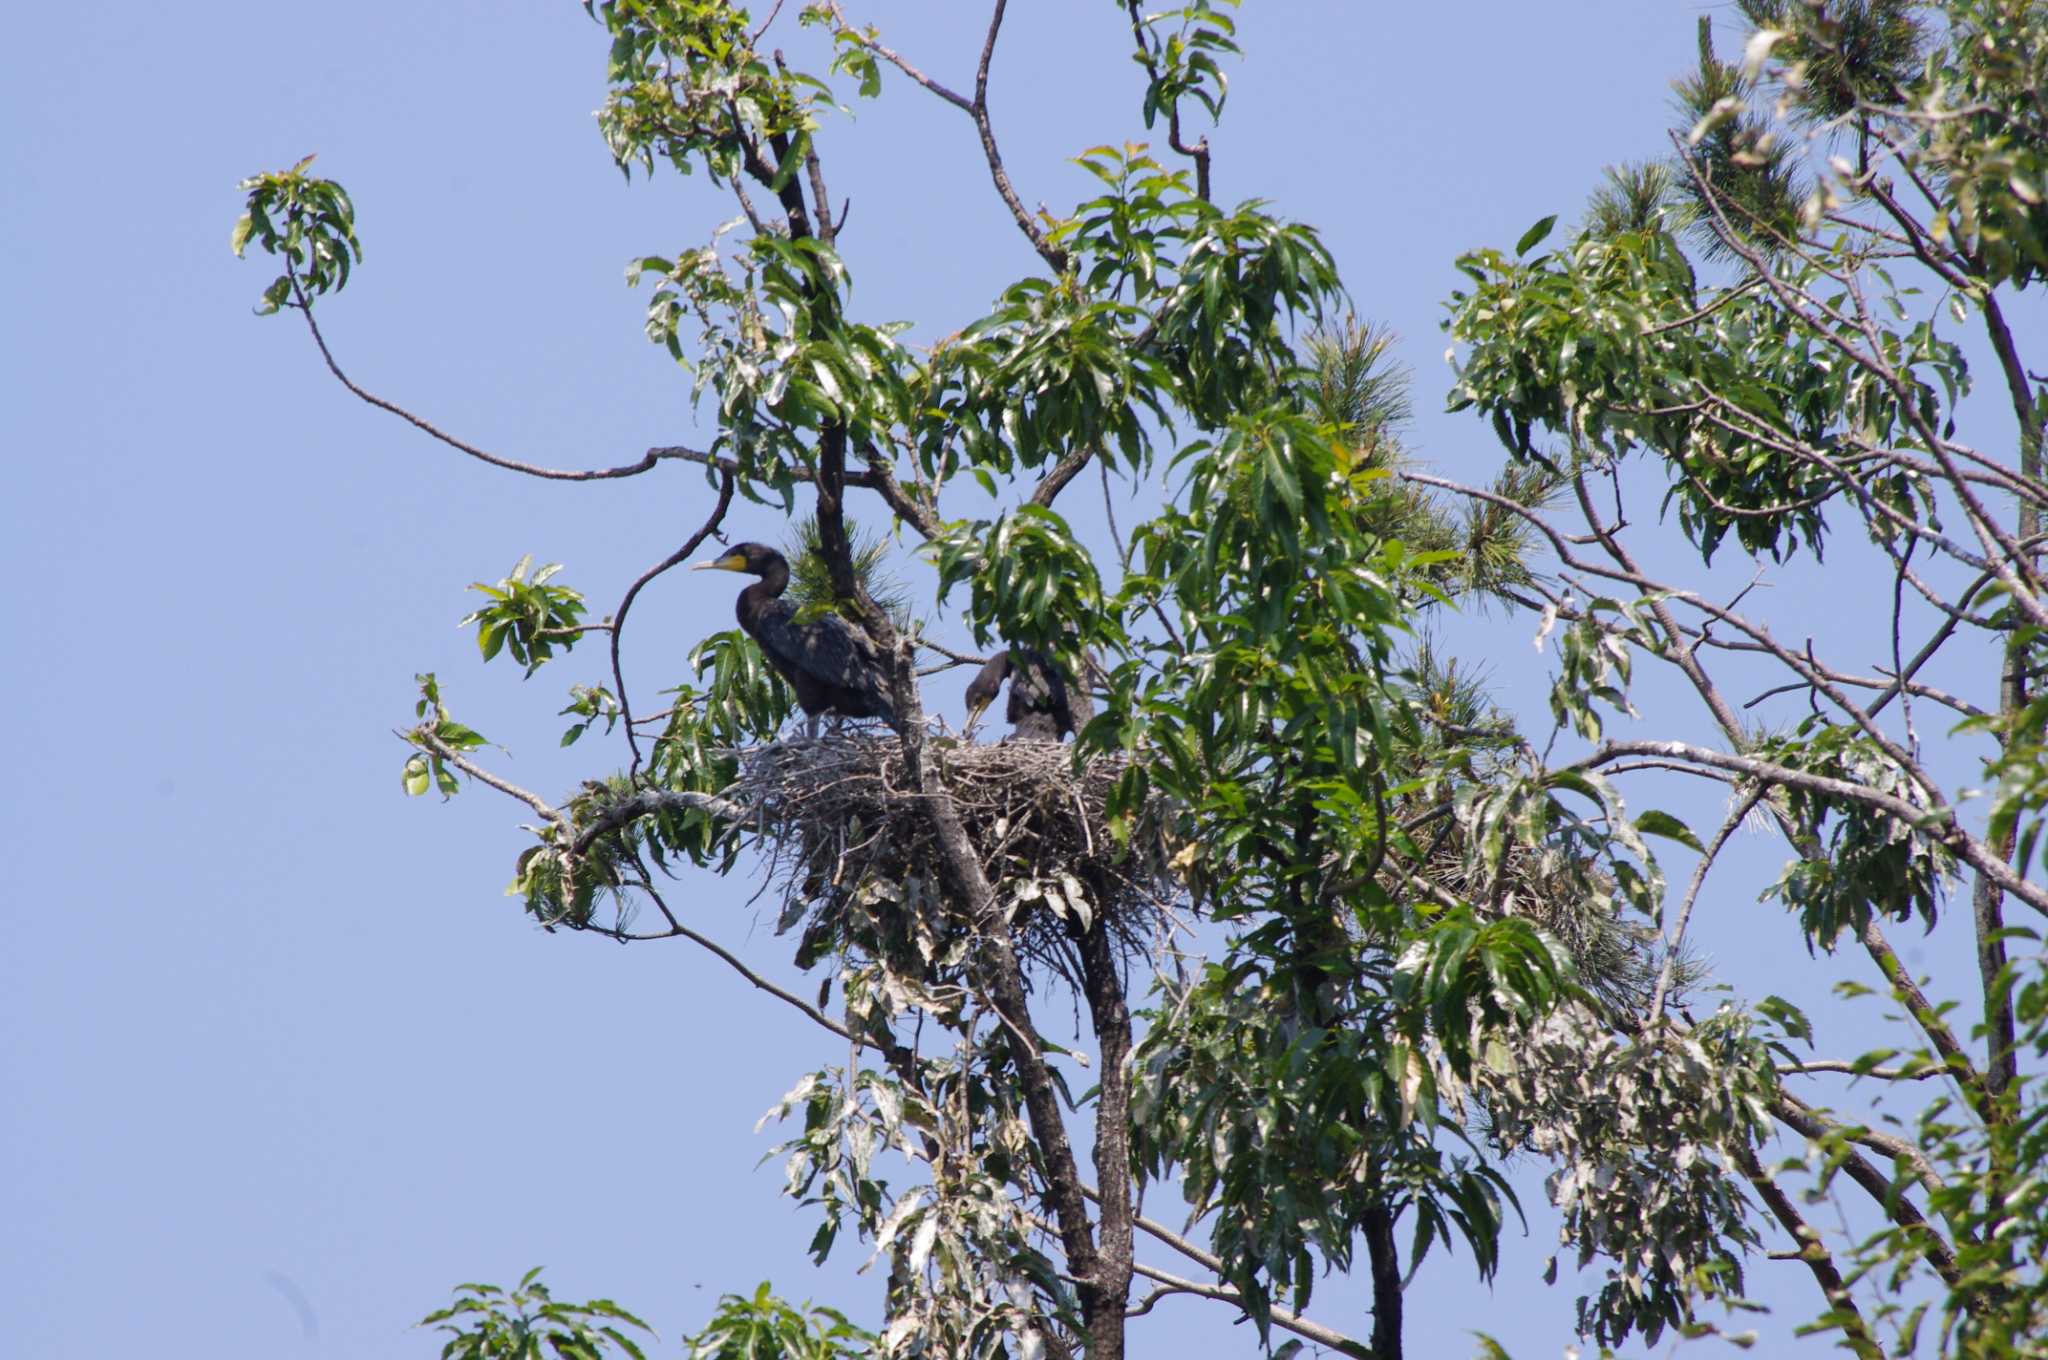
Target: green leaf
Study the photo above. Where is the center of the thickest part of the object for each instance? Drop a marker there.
(1535, 234)
(1656, 822)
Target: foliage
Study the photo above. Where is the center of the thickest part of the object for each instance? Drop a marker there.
(310, 222)
(1443, 943)
(440, 739)
(763, 1327)
(1633, 1129)
(1778, 317)
(526, 1323)
(528, 618)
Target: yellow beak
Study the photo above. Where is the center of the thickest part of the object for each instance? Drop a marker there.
(729, 562)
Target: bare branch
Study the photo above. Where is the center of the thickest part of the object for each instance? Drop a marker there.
(647, 460)
(1672, 943)
(1851, 1069)
(958, 101)
(1057, 477)
(1282, 1318)
(1938, 823)
(976, 109)
(1054, 257)
(690, 545)
(440, 748)
(1854, 1330)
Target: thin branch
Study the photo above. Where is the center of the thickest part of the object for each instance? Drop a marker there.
(1109, 514)
(956, 658)
(696, 540)
(1047, 251)
(958, 101)
(1678, 323)
(482, 776)
(1282, 1318)
(1890, 1196)
(1854, 1330)
(1955, 1059)
(1999, 549)
(1938, 823)
(1199, 152)
(647, 460)
(1851, 1069)
(677, 929)
(1672, 943)
(1660, 594)
(765, 23)
(1890, 686)
(976, 109)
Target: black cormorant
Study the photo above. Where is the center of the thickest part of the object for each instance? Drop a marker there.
(1044, 704)
(833, 666)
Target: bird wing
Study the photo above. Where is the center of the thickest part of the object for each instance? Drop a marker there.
(829, 649)
(1039, 696)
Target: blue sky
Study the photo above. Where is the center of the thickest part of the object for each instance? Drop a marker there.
(268, 1031)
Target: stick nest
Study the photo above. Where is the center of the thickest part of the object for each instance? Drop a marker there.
(854, 853)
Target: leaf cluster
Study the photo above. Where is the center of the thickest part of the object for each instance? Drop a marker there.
(309, 221)
(1855, 859)
(528, 618)
(525, 1322)
(762, 1326)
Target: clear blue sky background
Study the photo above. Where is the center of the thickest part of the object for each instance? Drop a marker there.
(269, 1035)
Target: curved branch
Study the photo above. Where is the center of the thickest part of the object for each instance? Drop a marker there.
(678, 930)
(646, 462)
(482, 776)
(1760, 638)
(976, 109)
(1199, 152)
(1999, 548)
(1047, 251)
(1733, 820)
(1057, 476)
(695, 541)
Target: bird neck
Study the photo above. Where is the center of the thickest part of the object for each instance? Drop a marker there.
(774, 580)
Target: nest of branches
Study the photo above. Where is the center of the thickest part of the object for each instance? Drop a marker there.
(855, 853)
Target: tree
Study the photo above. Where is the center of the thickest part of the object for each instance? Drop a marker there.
(1777, 317)
(1437, 944)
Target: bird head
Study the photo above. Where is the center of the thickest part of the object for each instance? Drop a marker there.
(987, 683)
(750, 558)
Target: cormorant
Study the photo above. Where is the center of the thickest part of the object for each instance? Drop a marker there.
(1044, 704)
(833, 666)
